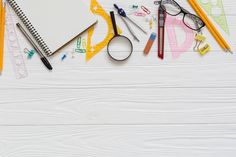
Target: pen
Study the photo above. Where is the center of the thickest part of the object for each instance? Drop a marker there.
(42, 57)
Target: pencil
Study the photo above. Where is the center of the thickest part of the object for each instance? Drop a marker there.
(2, 30)
(218, 37)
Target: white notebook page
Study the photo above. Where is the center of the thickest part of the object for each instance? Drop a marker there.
(58, 21)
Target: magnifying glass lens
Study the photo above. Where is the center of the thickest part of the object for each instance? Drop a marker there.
(120, 48)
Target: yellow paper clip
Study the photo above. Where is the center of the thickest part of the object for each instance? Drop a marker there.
(151, 24)
(84, 44)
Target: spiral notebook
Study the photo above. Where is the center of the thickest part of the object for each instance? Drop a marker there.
(54, 23)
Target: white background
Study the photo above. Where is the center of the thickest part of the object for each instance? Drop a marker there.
(143, 108)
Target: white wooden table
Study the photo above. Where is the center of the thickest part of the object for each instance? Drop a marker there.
(143, 108)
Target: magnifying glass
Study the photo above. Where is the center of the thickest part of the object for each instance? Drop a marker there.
(119, 48)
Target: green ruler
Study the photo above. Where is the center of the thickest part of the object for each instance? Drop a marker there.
(215, 9)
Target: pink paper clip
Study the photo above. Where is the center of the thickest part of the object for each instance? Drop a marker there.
(139, 14)
(146, 10)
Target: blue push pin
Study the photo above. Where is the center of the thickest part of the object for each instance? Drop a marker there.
(30, 53)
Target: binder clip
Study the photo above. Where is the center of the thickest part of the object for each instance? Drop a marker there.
(204, 50)
(201, 46)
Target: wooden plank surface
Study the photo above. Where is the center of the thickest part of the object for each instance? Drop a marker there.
(100, 141)
(145, 107)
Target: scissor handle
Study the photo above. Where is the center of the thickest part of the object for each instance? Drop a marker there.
(113, 19)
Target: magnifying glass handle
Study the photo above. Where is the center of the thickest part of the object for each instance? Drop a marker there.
(113, 19)
(130, 29)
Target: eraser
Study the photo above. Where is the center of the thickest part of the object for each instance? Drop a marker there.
(150, 43)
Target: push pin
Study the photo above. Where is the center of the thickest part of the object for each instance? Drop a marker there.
(30, 53)
(63, 57)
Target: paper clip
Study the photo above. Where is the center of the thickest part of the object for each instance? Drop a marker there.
(78, 43)
(80, 50)
(80, 46)
(141, 14)
(84, 44)
(151, 24)
(146, 10)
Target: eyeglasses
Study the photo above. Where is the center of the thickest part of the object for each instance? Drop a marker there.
(192, 21)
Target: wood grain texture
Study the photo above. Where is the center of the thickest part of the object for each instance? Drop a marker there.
(145, 107)
(100, 141)
(120, 106)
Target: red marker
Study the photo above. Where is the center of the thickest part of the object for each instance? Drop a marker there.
(161, 31)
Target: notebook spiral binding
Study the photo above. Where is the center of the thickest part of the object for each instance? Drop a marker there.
(30, 27)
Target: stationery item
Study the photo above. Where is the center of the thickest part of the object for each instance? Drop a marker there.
(192, 21)
(124, 16)
(161, 31)
(14, 48)
(177, 48)
(2, 31)
(200, 38)
(133, 9)
(151, 24)
(80, 46)
(149, 19)
(30, 53)
(134, 6)
(93, 49)
(215, 9)
(49, 21)
(42, 57)
(146, 10)
(221, 41)
(150, 43)
(204, 50)
(140, 14)
(120, 42)
(63, 57)
(201, 47)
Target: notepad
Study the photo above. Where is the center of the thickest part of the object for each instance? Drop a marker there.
(54, 23)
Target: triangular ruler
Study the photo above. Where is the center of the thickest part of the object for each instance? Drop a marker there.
(215, 9)
(93, 50)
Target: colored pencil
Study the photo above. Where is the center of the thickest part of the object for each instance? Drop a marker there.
(2, 31)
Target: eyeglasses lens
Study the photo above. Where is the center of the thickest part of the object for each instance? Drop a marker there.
(190, 20)
(193, 22)
(171, 7)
